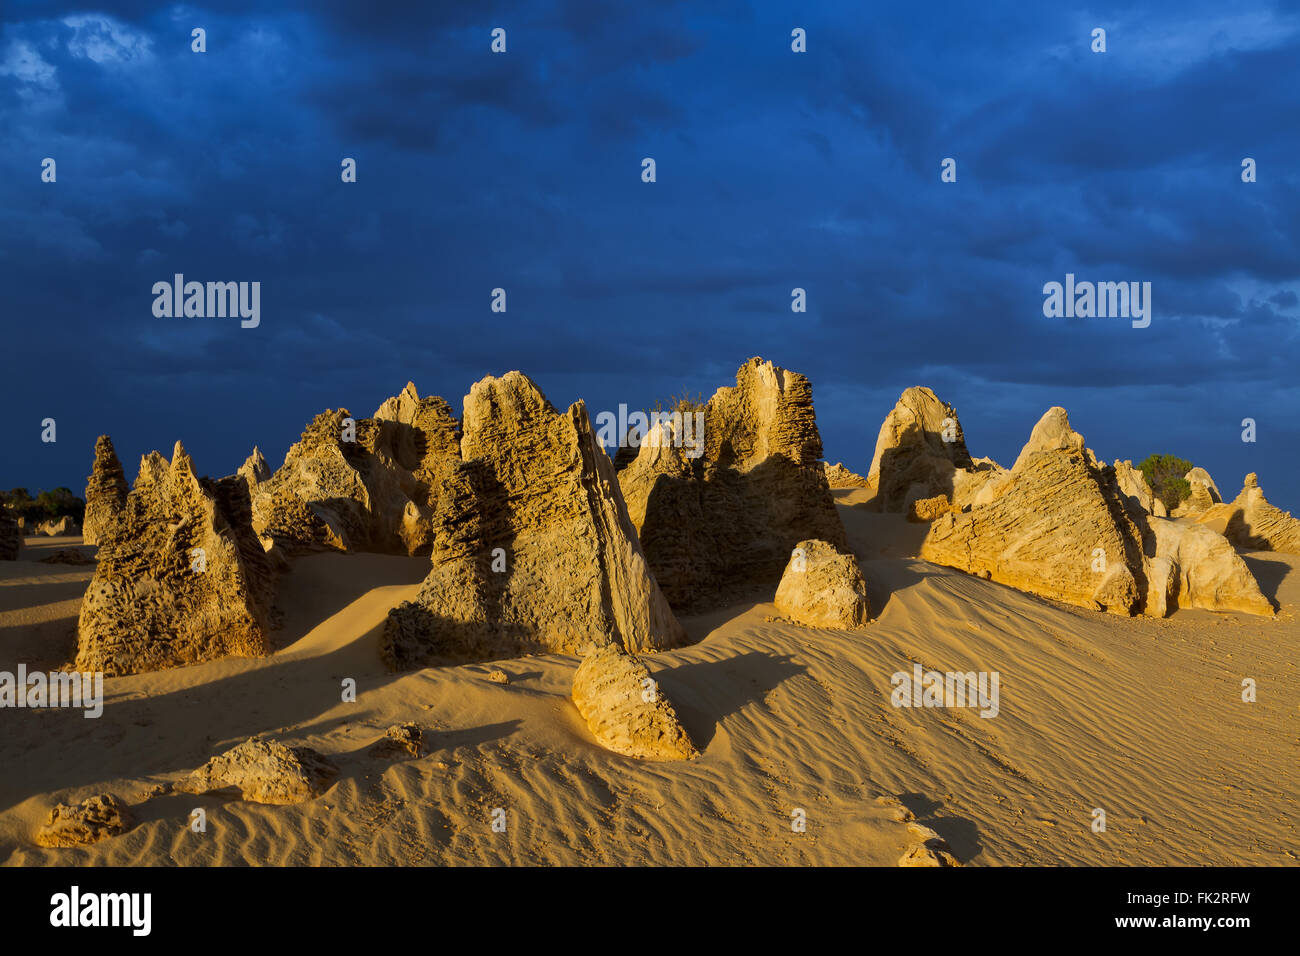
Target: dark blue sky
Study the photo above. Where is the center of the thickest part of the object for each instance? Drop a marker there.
(775, 170)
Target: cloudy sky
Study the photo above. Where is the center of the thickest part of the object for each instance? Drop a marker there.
(775, 170)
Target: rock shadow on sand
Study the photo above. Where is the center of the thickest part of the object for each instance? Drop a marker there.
(706, 693)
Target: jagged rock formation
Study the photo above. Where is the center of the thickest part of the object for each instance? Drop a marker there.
(94, 819)
(368, 484)
(1251, 523)
(1204, 495)
(254, 470)
(1134, 485)
(1041, 535)
(837, 476)
(181, 576)
(720, 527)
(921, 454)
(823, 587)
(918, 451)
(533, 549)
(11, 536)
(625, 709)
(264, 771)
(1064, 528)
(106, 491)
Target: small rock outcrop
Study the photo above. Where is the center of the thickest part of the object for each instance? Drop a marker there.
(400, 742)
(68, 556)
(11, 535)
(823, 587)
(94, 819)
(625, 709)
(106, 491)
(181, 576)
(64, 527)
(533, 548)
(264, 771)
(930, 849)
(719, 527)
(837, 476)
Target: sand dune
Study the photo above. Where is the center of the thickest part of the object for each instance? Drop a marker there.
(1140, 717)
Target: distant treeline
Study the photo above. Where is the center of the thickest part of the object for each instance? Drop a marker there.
(47, 505)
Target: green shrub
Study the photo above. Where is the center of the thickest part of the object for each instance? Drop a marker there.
(1164, 473)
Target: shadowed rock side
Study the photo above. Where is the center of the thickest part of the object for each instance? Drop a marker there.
(254, 470)
(264, 771)
(720, 527)
(368, 485)
(823, 587)
(106, 491)
(921, 454)
(1061, 526)
(1133, 484)
(1251, 523)
(181, 576)
(625, 709)
(534, 551)
(11, 536)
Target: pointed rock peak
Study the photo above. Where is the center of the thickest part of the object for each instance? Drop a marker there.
(1252, 481)
(1052, 433)
(181, 461)
(920, 423)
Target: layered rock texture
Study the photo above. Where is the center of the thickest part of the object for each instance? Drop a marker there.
(11, 535)
(625, 709)
(106, 491)
(1062, 526)
(264, 771)
(181, 576)
(823, 587)
(533, 550)
(369, 484)
(837, 476)
(1251, 523)
(720, 527)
